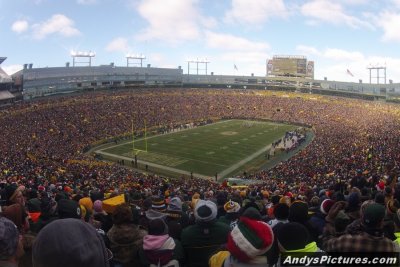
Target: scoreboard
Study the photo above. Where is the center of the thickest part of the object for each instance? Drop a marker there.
(290, 66)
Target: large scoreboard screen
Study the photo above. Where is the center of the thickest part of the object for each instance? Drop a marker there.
(289, 66)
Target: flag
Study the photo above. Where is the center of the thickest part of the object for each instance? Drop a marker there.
(235, 67)
(349, 73)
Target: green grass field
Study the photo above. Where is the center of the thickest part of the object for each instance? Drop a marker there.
(221, 147)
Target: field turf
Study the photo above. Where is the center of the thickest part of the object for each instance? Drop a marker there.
(215, 148)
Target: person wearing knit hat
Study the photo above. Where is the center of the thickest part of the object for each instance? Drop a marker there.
(232, 207)
(176, 219)
(98, 206)
(11, 248)
(14, 195)
(159, 248)
(281, 213)
(206, 211)
(17, 214)
(247, 244)
(70, 243)
(293, 237)
(68, 208)
(87, 203)
(326, 205)
(231, 216)
(125, 236)
(158, 204)
(298, 212)
(175, 205)
(202, 239)
(368, 237)
(380, 186)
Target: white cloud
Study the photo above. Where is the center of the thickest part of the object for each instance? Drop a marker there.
(343, 55)
(231, 42)
(396, 3)
(20, 26)
(57, 24)
(255, 11)
(307, 50)
(333, 13)
(390, 24)
(249, 56)
(11, 69)
(86, 2)
(333, 63)
(119, 44)
(172, 21)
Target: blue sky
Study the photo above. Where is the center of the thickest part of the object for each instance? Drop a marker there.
(338, 35)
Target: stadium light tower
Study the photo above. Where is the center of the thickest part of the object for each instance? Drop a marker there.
(198, 61)
(378, 69)
(137, 58)
(81, 54)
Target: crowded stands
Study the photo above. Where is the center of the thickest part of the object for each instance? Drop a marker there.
(62, 207)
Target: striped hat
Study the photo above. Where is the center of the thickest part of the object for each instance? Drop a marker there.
(250, 238)
(231, 207)
(158, 204)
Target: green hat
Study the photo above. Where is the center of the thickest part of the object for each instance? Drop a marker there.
(373, 215)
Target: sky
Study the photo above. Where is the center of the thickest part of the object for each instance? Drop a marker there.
(337, 35)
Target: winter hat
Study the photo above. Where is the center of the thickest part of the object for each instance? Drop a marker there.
(231, 207)
(9, 237)
(380, 186)
(175, 205)
(354, 200)
(249, 238)
(281, 211)
(380, 198)
(206, 211)
(341, 221)
(275, 199)
(69, 243)
(68, 208)
(298, 212)
(293, 236)
(158, 204)
(326, 205)
(158, 227)
(15, 213)
(252, 213)
(87, 203)
(33, 205)
(11, 192)
(373, 215)
(98, 206)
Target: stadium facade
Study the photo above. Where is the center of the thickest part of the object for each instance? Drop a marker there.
(5, 86)
(38, 82)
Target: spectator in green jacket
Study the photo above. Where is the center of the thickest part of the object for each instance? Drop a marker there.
(201, 240)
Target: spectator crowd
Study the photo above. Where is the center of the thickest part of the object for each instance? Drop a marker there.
(339, 194)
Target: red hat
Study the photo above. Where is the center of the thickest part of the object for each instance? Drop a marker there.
(250, 238)
(326, 205)
(380, 186)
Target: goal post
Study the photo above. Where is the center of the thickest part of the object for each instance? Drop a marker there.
(135, 151)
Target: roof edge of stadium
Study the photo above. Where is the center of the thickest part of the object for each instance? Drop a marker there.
(289, 56)
(2, 59)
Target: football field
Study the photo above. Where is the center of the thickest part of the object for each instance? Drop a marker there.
(222, 147)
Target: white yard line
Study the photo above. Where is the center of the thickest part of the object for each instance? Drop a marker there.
(150, 164)
(243, 161)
